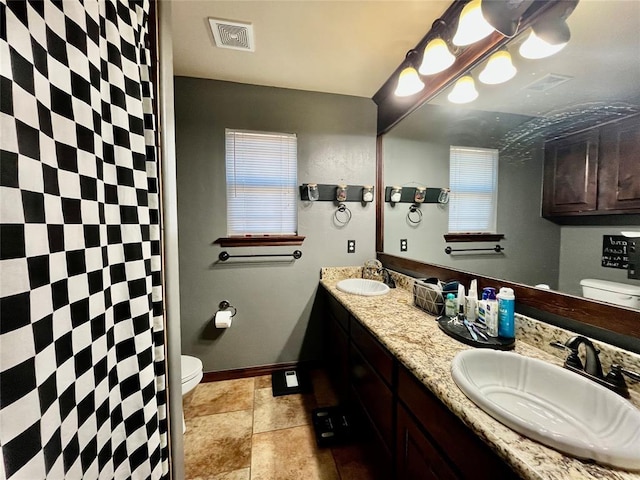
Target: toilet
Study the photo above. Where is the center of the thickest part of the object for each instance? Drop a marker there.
(191, 368)
(621, 294)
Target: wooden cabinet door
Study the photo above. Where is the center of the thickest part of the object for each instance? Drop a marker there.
(373, 395)
(619, 171)
(337, 357)
(416, 456)
(570, 175)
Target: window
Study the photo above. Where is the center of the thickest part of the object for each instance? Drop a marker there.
(473, 180)
(261, 183)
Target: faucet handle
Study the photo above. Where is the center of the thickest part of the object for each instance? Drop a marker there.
(573, 360)
(615, 369)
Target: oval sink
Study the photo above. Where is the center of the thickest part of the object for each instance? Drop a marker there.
(362, 286)
(552, 405)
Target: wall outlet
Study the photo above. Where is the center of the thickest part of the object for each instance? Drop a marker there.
(351, 246)
(403, 244)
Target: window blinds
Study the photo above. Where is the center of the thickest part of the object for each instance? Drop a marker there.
(473, 180)
(261, 183)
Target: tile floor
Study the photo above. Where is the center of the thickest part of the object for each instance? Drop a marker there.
(237, 430)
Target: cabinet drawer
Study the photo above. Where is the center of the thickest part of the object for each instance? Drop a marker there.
(373, 394)
(379, 358)
(340, 313)
(465, 451)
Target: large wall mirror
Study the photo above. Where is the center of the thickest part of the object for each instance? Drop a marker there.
(594, 80)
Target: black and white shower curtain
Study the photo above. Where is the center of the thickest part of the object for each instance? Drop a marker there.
(82, 358)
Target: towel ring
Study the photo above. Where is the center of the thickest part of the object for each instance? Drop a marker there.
(417, 218)
(345, 216)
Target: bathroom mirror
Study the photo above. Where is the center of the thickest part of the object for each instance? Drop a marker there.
(593, 80)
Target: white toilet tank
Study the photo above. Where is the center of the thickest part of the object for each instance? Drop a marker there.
(621, 294)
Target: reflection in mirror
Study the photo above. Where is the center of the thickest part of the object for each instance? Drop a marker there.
(593, 81)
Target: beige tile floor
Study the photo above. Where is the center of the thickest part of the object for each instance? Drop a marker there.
(237, 430)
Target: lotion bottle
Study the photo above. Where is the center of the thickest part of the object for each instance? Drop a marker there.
(506, 313)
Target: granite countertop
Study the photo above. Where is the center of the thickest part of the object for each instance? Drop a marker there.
(415, 339)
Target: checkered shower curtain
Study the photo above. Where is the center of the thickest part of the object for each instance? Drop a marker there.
(82, 361)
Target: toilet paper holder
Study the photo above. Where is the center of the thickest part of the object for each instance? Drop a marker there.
(224, 305)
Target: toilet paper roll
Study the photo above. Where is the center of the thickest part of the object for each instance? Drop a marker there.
(223, 319)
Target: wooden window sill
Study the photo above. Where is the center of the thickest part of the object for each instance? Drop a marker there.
(266, 241)
(473, 237)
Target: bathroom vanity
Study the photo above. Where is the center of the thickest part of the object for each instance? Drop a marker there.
(391, 362)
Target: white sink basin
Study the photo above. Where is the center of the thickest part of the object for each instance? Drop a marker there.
(362, 286)
(552, 405)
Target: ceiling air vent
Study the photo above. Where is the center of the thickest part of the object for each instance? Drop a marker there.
(549, 81)
(234, 35)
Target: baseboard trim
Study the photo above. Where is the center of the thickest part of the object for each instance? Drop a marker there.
(256, 371)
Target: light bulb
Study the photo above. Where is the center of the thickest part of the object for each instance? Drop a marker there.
(408, 83)
(534, 47)
(472, 26)
(436, 58)
(499, 69)
(464, 91)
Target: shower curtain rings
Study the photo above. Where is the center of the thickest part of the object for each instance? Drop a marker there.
(415, 219)
(342, 214)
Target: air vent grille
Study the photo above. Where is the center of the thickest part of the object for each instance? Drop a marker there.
(549, 81)
(233, 35)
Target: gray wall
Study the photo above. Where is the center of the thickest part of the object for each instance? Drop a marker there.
(581, 254)
(274, 299)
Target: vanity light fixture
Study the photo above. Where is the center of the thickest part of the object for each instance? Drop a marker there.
(549, 34)
(436, 58)
(464, 91)
(499, 69)
(409, 81)
(472, 25)
(535, 47)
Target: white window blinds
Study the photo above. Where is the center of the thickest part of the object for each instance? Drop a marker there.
(473, 180)
(261, 183)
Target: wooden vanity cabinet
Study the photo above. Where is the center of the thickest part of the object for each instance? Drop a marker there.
(413, 434)
(448, 448)
(371, 372)
(594, 172)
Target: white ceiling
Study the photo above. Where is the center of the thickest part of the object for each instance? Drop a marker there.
(351, 47)
(344, 47)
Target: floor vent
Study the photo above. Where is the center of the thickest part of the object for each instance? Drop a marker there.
(549, 81)
(233, 35)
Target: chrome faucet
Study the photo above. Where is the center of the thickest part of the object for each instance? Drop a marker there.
(592, 368)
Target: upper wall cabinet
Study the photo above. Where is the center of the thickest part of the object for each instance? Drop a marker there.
(595, 172)
(619, 174)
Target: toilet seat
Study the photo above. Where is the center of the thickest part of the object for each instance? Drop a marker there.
(191, 367)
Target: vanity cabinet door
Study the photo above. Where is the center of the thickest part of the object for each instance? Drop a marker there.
(571, 175)
(467, 455)
(337, 358)
(416, 456)
(619, 174)
(373, 395)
